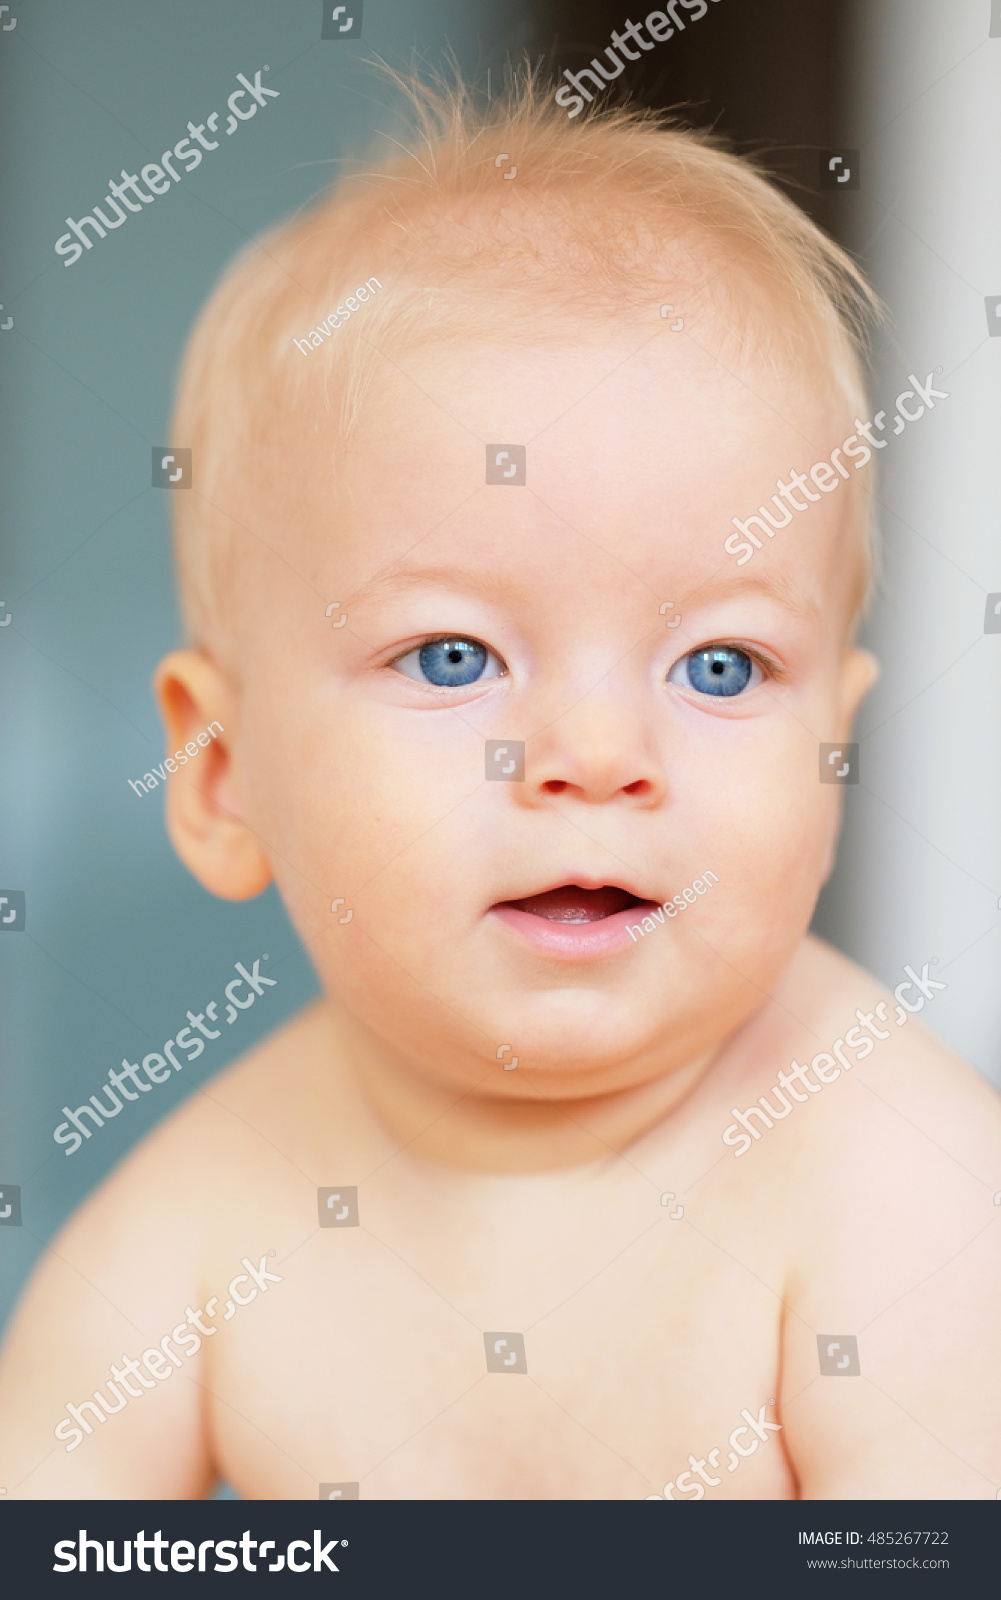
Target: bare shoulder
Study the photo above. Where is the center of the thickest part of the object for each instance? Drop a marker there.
(888, 1118)
(886, 1041)
(234, 1170)
(182, 1172)
(222, 1182)
(894, 1285)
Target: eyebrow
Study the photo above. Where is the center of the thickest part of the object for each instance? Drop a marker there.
(773, 585)
(446, 577)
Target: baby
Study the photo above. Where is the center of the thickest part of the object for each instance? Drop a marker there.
(625, 1168)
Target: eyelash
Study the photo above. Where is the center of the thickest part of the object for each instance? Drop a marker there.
(436, 689)
(770, 668)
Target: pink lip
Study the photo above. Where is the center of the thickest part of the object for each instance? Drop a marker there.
(572, 941)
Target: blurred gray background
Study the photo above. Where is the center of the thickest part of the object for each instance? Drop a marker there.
(120, 941)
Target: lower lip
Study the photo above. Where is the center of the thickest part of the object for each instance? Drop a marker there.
(572, 941)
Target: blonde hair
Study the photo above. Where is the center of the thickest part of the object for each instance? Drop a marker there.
(608, 216)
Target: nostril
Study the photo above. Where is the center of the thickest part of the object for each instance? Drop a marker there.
(641, 786)
(554, 786)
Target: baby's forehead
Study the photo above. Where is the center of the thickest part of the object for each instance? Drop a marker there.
(605, 404)
(612, 452)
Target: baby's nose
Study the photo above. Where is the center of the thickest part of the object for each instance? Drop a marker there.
(598, 751)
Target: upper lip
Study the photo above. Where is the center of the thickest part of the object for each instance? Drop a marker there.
(580, 880)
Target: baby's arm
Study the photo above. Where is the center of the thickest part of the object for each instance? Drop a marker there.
(113, 1290)
(899, 1250)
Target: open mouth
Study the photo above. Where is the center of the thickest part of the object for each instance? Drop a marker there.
(571, 904)
(570, 923)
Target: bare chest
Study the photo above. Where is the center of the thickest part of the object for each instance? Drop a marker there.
(556, 1358)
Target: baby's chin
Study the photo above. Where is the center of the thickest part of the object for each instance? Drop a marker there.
(584, 1041)
(563, 1042)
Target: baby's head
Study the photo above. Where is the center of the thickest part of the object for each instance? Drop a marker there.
(457, 588)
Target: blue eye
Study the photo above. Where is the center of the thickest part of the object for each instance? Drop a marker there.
(450, 663)
(720, 670)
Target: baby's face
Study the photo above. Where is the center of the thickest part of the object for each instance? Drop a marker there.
(491, 907)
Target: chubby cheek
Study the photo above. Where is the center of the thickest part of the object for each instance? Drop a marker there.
(390, 820)
(772, 841)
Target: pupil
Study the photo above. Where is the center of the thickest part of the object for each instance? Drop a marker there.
(719, 672)
(455, 655)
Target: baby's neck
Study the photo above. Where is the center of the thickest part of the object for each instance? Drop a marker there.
(528, 1125)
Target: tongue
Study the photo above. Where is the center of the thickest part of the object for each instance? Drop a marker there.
(571, 904)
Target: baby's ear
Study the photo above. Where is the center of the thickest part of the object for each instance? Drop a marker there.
(859, 672)
(204, 811)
